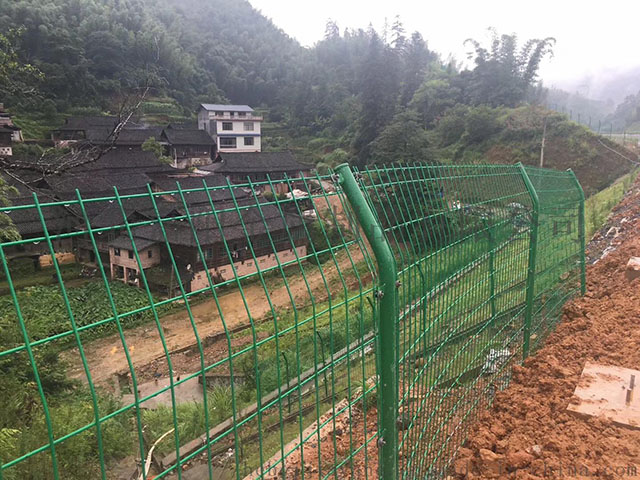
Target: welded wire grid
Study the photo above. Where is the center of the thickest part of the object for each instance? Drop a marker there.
(560, 260)
(463, 237)
(269, 304)
(272, 298)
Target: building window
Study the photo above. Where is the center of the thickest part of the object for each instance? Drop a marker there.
(248, 126)
(227, 126)
(150, 254)
(219, 114)
(130, 252)
(116, 252)
(242, 114)
(248, 141)
(208, 253)
(228, 142)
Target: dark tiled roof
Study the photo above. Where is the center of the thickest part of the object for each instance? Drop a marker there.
(187, 137)
(130, 160)
(28, 223)
(92, 184)
(168, 183)
(226, 108)
(136, 209)
(206, 225)
(84, 123)
(125, 242)
(183, 126)
(127, 136)
(258, 162)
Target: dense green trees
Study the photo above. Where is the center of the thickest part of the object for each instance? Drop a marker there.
(503, 74)
(354, 87)
(17, 79)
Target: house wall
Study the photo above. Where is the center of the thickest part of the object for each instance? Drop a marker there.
(62, 258)
(238, 126)
(212, 123)
(6, 152)
(130, 263)
(226, 272)
(60, 245)
(240, 146)
(191, 162)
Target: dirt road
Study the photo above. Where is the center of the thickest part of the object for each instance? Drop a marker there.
(106, 356)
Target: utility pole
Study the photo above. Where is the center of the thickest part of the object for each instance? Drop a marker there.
(544, 136)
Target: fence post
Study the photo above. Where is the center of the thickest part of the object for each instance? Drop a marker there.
(492, 280)
(582, 235)
(388, 317)
(531, 270)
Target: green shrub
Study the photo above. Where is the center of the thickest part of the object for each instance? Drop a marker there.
(44, 311)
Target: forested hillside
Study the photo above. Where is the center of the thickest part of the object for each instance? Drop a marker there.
(357, 95)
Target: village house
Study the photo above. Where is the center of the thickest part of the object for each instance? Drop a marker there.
(256, 166)
(235, 128)
(79, 129)
(9, 133)
(129, 171)
(186, 145)
(188, 148)
(273, 235)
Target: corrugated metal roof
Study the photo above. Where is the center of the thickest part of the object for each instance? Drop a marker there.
(226, 108)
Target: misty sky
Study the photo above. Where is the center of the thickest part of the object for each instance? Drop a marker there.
(594, 38)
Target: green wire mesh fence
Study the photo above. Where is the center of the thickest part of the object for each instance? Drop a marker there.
(340, 326)
(486, 256)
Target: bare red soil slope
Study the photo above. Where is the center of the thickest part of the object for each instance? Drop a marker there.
(529, 434)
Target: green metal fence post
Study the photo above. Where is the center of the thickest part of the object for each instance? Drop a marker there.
(582, 235)
(531, 269)
(324, 364)
(286, 366)
(387, 390)
(492, 272)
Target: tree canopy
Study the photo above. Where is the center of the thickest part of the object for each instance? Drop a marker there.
(351, 87)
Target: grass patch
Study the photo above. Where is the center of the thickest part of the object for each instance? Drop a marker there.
(45, 276)
(598, 207)
(45, 314)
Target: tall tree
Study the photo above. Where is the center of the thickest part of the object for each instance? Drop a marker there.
(503, 74)
(17, 79)
(416, 60)
(378, 85)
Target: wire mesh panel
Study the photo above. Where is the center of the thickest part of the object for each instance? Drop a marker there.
(462, 238)
(246, 331)
(560, 246)
(226, 330)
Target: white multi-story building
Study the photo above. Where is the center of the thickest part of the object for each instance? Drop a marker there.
(235, 128)
(9, 133)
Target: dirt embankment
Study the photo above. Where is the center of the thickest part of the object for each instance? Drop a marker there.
(529, 434)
